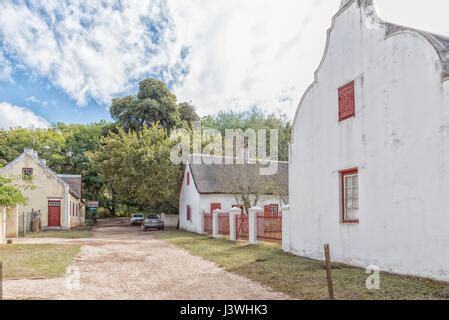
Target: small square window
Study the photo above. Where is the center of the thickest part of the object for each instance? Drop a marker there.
(346, 101)
(27, 173)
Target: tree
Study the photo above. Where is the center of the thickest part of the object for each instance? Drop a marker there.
(154, 103)
(187, 112)
(49, 143)
(253, 119)
(10, 195)
(137, 167)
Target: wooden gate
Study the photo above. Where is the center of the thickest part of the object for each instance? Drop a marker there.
(223, 224)
(242, 227)
(208, 223)
(269, 228)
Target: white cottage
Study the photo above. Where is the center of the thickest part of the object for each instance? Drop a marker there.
(208, 186)
(370, 148)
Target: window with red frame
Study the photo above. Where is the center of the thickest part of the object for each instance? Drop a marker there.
(271, 210)
(346, 101)
(189, 214)
(350, 195)
(188, 178)
(274, 210)
(214, 206)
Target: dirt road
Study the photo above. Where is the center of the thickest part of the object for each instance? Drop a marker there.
(121, 262)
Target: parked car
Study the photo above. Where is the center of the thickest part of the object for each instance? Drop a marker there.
(152, 221)
(137, 218)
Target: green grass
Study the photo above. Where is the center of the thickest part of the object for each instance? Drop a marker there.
(300, 277)
(22, 261)
(78, 233)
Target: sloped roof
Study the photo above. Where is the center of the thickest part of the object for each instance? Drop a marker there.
(233, 178)
(75, 183)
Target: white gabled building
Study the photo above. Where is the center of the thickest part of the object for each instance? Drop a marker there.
(369, 162)
(207, 187)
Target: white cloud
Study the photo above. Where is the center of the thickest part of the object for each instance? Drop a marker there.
(13, 116)
(89, 49)
(35, 100)
(6, 70)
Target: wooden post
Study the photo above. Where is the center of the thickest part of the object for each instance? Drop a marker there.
(329, 271)
(1, 281)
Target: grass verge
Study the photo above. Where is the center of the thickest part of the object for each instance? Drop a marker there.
(300, 277)
(22, 261)
(77, 233)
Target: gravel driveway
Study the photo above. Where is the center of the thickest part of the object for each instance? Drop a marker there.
(121, 262)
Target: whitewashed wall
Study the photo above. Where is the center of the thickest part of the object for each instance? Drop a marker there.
(399, 140)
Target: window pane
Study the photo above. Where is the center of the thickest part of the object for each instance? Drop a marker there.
(355, 181)
(348, 182)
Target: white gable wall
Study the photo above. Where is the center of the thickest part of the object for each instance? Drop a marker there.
(398, 140)
(189, 196)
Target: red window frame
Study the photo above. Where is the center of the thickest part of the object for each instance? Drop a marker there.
(343, 174)
(189, 213)
(215, 206)
(346, 101)
(188, 178)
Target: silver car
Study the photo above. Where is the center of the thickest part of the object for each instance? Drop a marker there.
(136, 219)
(152, 221)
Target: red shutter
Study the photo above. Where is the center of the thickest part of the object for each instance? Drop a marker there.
(189, 214)
(346, 101)
(214, 206)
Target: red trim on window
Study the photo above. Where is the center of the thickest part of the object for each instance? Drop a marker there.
(346, 101)
(343, 174)
(215, 206)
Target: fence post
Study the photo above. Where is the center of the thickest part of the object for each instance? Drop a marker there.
(327, 256)
(215, 215)
(232, 225)
(252, 223)
(285, 230)
(3, 226)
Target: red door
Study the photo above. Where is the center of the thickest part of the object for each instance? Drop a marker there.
(54, 213)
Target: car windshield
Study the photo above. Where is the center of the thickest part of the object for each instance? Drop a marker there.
(138, 215)
(152, 217)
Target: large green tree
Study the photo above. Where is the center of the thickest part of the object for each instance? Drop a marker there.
(154, 103)
(137, 168)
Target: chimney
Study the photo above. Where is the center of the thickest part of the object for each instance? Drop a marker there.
(30, 151)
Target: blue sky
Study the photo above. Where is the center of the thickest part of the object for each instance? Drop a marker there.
(65, 60)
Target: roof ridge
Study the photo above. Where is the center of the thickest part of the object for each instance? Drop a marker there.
(227, 157)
